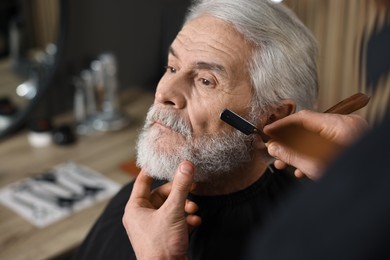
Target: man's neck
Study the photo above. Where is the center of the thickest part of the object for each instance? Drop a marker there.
(235, 181)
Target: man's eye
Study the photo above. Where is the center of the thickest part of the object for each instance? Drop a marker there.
(170, 69)
(205, 82)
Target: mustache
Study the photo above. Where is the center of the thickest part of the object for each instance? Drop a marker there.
(169, 119)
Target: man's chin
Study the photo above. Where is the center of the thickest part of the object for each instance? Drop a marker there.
(165, 142)
(158, 172)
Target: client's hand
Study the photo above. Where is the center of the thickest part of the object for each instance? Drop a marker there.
(309, 140)
(158, 222)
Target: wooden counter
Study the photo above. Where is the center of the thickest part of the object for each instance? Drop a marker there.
(103, 152)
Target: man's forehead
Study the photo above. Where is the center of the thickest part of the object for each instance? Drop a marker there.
(211, 36)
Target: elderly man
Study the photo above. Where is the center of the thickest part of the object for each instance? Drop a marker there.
(252, 56)
(158, 229)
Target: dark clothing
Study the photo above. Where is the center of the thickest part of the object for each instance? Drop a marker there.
(345, 215)
(226, 221)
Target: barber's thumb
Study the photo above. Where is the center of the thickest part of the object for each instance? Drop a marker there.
(182, 183)
(273, 149)
(282, 153)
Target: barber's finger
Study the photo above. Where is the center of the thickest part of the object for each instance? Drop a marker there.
(284, 155)
(181, 185)
(164, 190)
(307, 166)
(279, 164)
(159, 195)
(141, 188)
(190, 207)
(298, 173)
(304, 119)
(193, 221)
(304, 132)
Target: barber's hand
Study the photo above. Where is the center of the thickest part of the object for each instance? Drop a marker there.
(158, 222)
(309, 140)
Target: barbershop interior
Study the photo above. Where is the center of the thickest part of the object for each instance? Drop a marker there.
(77, 79)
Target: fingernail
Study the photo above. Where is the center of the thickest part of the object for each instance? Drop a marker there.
(185, 168)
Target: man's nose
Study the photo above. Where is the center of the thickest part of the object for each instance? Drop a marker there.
(171, 92)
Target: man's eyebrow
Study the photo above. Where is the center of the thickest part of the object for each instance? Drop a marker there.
(210, 66)
(172, 51)
(202, 64)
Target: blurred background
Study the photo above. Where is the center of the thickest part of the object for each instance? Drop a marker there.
(53, 52)
(354, 39)
(53, 41)
(49, 42)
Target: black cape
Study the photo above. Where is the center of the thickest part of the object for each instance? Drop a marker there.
(226, 221)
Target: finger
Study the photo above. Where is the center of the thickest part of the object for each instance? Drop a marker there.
(280, 164)
(307, 119)
(298, 173)
(303, 142)
(141, 188)
(190, 207)
(285, 156)
(164, 190)
(304, 122)
(272, 151)
(304, 130)
(159, 195)
(193, 221)
(181, 185)
(308, 166)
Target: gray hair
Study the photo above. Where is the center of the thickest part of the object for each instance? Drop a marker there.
(283, 64)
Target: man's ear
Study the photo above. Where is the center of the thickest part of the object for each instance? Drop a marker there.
(285, 108)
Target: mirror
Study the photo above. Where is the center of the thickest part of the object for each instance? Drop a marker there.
(30, 40)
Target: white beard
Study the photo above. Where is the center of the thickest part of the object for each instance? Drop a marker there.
(213, 155)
